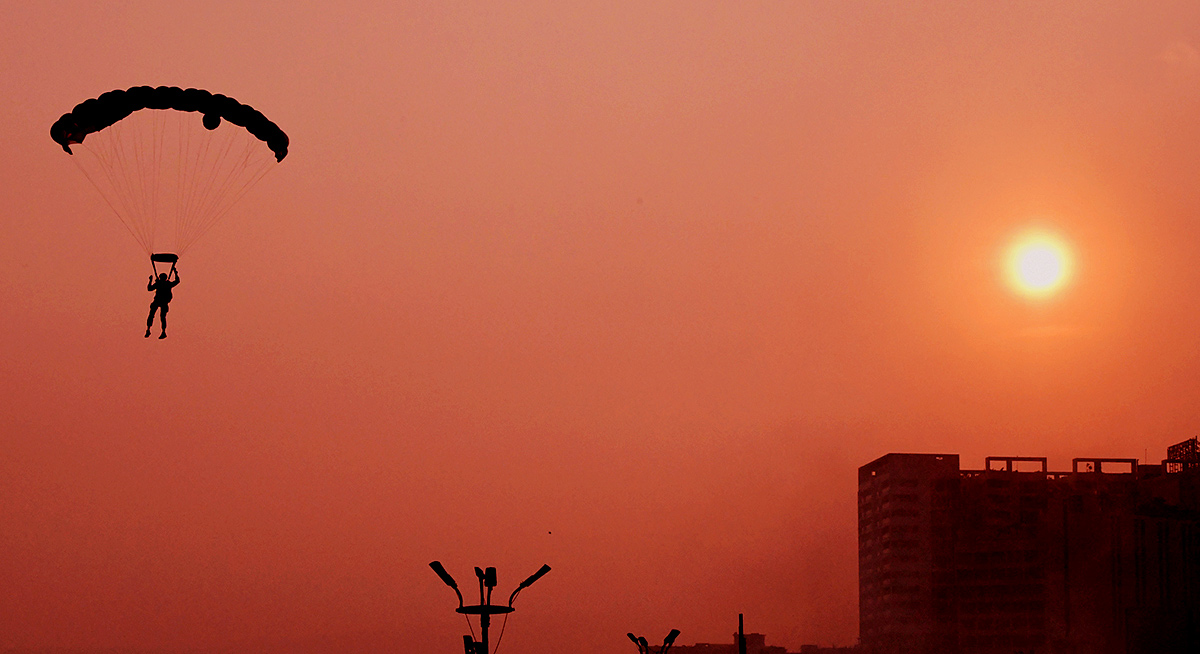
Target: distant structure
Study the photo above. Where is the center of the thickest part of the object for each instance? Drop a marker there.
(757, 644)
(1013, 558)
(1183, 456)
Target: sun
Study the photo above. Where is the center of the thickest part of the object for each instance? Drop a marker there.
(1039, 264)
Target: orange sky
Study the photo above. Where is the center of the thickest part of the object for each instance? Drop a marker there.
(653, 277)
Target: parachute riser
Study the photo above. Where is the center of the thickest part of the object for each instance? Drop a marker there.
(163, 257)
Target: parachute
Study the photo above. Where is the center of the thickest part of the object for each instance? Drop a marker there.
(168, 174)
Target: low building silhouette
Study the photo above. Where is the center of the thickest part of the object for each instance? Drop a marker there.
(1104, 559)
(757, 644)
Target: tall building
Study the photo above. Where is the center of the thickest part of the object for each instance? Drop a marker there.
(1104, 559)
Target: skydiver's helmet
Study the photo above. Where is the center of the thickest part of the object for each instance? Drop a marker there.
(162, 277)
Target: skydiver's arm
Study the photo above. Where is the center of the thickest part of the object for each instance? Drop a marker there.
(150, 285)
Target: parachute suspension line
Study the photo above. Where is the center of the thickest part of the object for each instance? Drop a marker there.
(186, 181)
(139, 186)
(128, 164)
(212, 199)
(108, 159)
(195, 159)
(235, 170)
(202, 167)
(265, 167)
(107, 200)
(160, 124)
(155, 171)
(220, 184)
(146, 157)
(207, 168)
(103, 155)
(255, 170)
(190, 156)
(135, 176)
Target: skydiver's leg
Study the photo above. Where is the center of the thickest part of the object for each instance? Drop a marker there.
(162, 317)
(150, 319)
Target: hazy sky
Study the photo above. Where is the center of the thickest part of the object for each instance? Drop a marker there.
(629, 288)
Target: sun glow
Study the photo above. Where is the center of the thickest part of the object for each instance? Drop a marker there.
(1038, 265)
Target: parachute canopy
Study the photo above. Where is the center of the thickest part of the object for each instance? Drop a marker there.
(98, 113)
(168, 174)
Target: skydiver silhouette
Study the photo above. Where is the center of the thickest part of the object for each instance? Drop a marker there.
(162, 297)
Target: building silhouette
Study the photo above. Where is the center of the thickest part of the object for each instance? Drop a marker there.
(757, 644)
(1104, 559)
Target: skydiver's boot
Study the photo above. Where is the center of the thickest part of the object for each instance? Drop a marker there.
(163, 335)
(147, 332)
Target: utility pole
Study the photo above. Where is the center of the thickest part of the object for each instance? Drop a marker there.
(741, 635)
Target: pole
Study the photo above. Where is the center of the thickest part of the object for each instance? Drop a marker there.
(741, 635)
(485, 619)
